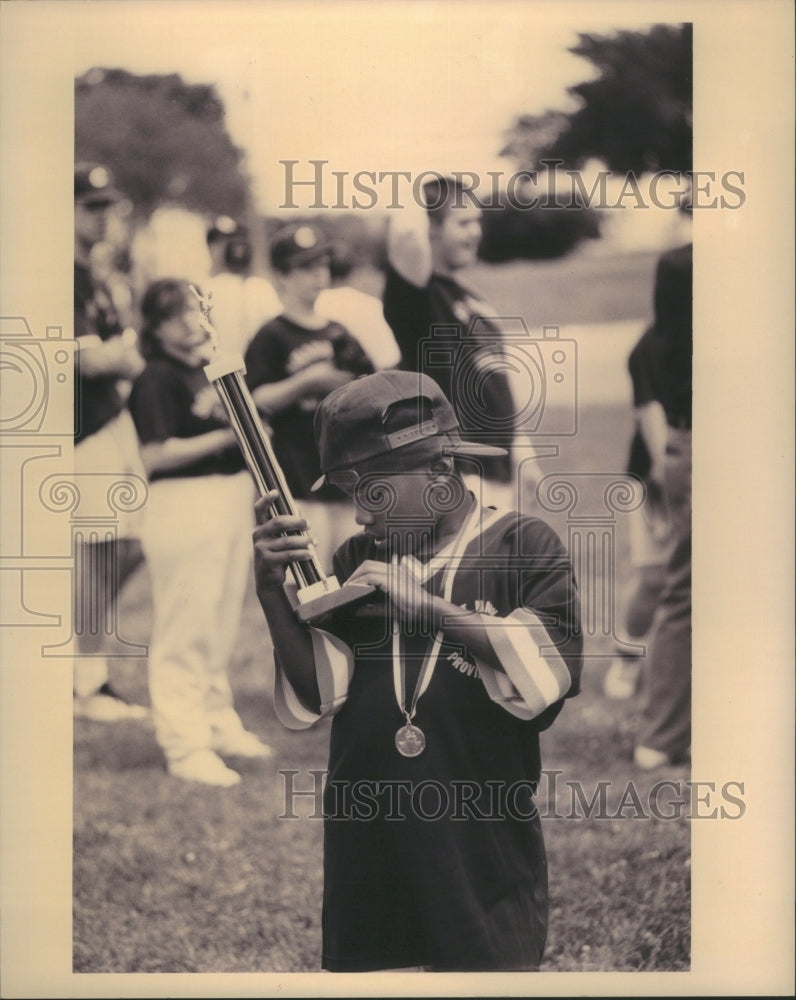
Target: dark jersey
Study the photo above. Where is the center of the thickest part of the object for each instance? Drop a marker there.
(425, 857)
(97, 399)
(280, 349)
(674, 326)
(646, 367)
(172, 400)
(446, 331)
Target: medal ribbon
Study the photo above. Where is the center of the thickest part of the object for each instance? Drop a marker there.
(468, 531)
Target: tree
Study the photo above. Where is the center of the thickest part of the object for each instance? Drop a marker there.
(164, 140)
(636, 115)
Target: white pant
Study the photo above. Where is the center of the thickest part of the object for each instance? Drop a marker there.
(197, 540)
(112, 450)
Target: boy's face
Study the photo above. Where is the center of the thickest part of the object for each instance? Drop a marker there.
(457, 235)
(304, 284)
(183, 336)
(390, 504)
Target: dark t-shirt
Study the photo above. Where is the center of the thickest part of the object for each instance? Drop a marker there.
(646, 367)
(673, 325)
(280, 349)
(97, 399)
(172, 400)
(405, 871)
(445, 331)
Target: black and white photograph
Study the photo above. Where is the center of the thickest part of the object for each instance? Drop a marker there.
(397, 491)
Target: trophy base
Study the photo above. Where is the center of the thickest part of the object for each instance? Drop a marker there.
(332, 602)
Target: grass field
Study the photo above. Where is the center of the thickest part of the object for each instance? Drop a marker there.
(174, 877)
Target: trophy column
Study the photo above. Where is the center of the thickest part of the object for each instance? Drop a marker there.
(318, 594)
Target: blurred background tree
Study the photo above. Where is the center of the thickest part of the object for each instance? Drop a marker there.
(165, 141)
(635, 115)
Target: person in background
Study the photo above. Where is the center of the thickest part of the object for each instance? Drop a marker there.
(649, 524)
(241, 301)
(664, 735)
(360, 313)
(429, 249)
(110, 267)
(106, 360)
(292, 363)
(197, 541)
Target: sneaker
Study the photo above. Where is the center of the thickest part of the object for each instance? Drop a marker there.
(622, 678)
(206, 767)
(105, 705)
(648, 759)
(243, 744)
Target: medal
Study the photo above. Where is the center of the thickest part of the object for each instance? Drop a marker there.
(410, 740)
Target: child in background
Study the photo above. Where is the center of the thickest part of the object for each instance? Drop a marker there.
(196, 539)
(292, 363)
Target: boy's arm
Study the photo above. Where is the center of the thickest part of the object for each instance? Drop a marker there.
(319, 378)
(540, 641)
(645, 365)
(414, 604)
(409, 245)
(117, 356)
(176, 452)
(651, 419)
(313, 668)
(273, 395)
(529, 659)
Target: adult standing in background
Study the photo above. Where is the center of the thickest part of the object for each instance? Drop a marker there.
(425, 302)
(648, 524)
(106, 360)
(665, 732)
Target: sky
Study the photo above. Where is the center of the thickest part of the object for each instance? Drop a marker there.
(384, 86)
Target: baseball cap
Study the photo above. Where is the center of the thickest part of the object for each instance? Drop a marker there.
(94, 185)
(297, 245)
(389, 419)
(224, 227)
(238, 253)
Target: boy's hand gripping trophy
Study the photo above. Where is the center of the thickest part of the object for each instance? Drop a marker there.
(317, 593)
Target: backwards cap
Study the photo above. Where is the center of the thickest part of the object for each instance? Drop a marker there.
(378, 416)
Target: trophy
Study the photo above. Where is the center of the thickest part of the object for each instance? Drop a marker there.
(318, 593)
